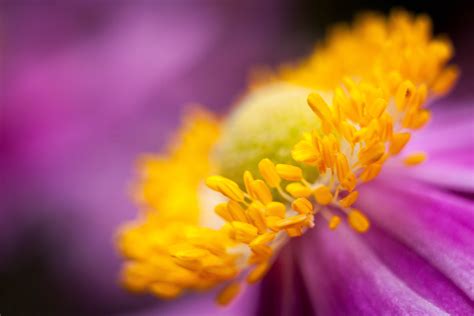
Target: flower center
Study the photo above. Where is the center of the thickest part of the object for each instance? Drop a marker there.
(266, 124)
(287, 156)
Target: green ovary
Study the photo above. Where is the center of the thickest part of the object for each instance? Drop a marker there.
(267, 123)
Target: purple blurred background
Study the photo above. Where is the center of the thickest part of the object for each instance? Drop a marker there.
(88, 86)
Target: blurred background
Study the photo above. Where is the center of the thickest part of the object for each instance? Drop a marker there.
(87, 86)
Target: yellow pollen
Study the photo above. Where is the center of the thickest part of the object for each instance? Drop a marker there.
(414, 159)
(323, 195)
(320, 108)
(256, 213)
(334, 222)
(269, 172)
(165, 290)
(262, 239)
(244, 232)
(223, 211)
(445, 79)
(399, 141)
(350, 199)
(370, 172)
(358, 221)
(225, 186)
(236, 211)
(276, 209)
(302, 206)
(257, 273)
(261, 191)
(227, 294)
(289, 172)
(294, 151)
(298, 190)
(291, 221)
(294, 232)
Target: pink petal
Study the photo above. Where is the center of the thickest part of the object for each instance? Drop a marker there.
(283, 290)
(438, 226)
(449, 143)
(344, 276)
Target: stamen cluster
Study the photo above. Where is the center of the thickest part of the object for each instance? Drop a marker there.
(371, 84)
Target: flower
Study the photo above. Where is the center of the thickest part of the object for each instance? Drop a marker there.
(313, 134)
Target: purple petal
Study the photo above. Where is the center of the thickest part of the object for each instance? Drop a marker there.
(436, 225)
(418, 274)
(344, 276)
(448, 174)
(283, 291)
(449, 142)
(439, 139)
(450, 112)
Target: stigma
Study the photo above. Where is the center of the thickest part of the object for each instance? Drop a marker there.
(294, 151)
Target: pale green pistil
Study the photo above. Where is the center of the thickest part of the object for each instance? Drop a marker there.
(266, 124)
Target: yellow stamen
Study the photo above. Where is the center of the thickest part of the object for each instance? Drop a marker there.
(165, 290)
(227, 294)
(445, 80)
(225, 186)
(399, 140)
(349, 182)
(305, 152)
(370, 172)
(334, 222)
(342, 167)
(262, 239)
(414, 159)
(320, 108)
(263, 252)
(236, 211)
(256, 212)
(276, 209)
(243, 232)
(420, 120)
(350, 199)
(358, 221)
(302, 206)
(377, 108)
(294, 232)
(269, 173)
(404, 94)
(371, 154)
(272, 222)
(298, 190)
(261, 191)
(291, 221)
(258, 272)
(361, 110)
(248, 180)
(222, 210)
(289, 172)
(323, 195)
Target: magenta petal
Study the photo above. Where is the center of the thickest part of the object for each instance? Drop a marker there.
(345, 277)
(445, 139)
(418, 274)
(447, 113)
(450, 173)
(449, 143)
(436, 225)
(283, 291)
